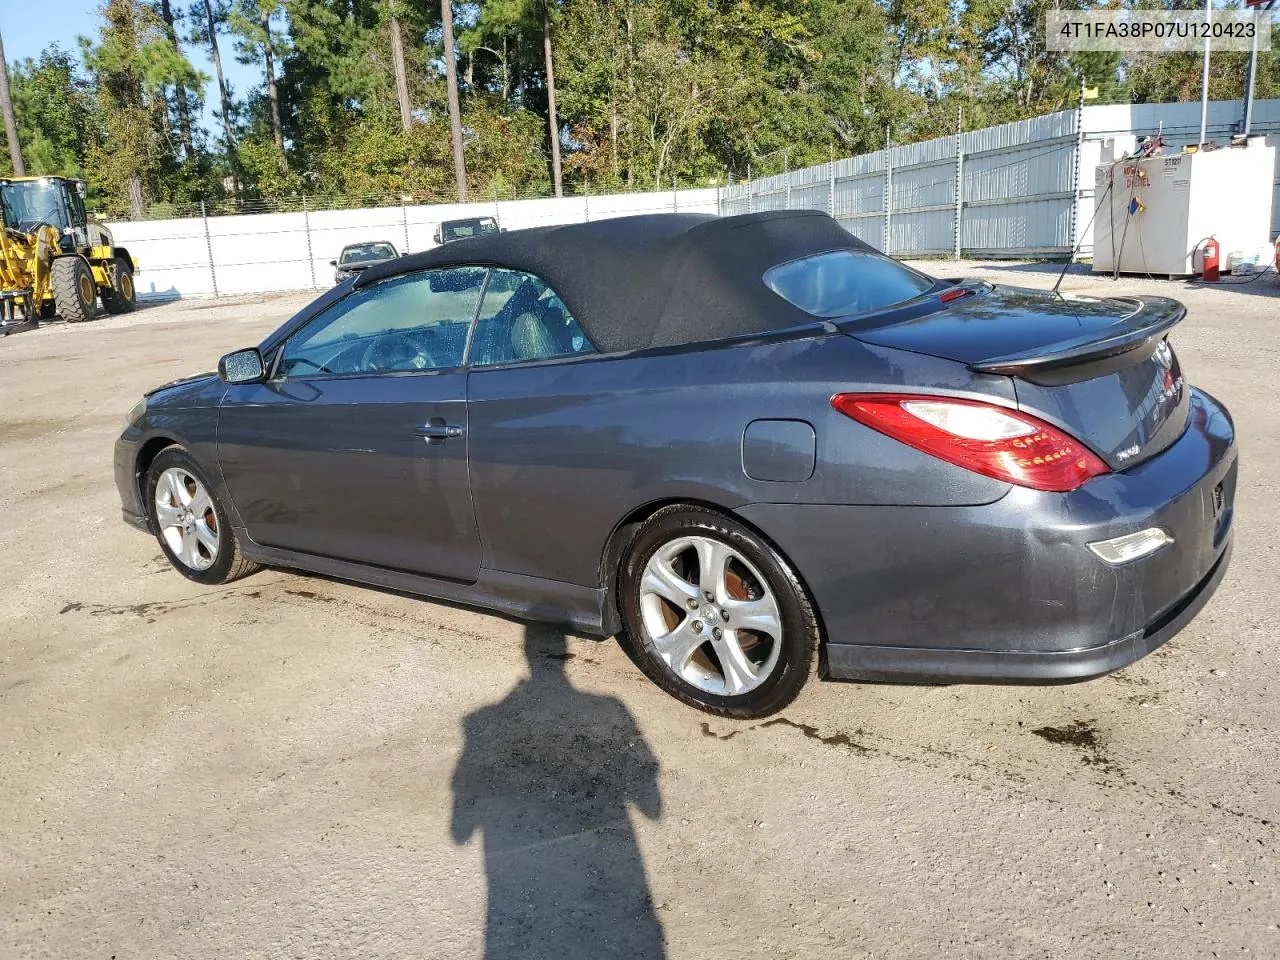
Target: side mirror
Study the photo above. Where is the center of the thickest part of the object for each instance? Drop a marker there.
(242, 366)
(333, 263)
(437, 237)
(82, 189)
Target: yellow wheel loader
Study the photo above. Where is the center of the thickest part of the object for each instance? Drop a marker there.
(54, 259)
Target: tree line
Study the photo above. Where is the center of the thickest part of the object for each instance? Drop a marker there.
(427, 100)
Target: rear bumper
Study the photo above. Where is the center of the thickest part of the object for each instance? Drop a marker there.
(848, 661)
(1009, 592)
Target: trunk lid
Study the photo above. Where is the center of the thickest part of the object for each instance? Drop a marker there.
(1098, 367)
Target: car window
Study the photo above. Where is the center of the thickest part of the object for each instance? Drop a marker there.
(845, 282)
(457, 229)
(523, 319)
(367, 251)
(414, 322)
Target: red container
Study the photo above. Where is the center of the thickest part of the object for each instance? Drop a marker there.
(1209, 263)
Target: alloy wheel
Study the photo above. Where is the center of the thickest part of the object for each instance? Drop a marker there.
(187, 520)
(710, 615)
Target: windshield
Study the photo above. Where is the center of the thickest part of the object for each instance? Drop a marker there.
(470, 228)
(363, 252)
(32, 202)
(845, 282)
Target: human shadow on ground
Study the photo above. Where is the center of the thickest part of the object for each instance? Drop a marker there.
(548, 775)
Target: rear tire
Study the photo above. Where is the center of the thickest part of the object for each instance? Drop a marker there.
(193, 529)
(122, 297)
(714, 615)
(74, 292)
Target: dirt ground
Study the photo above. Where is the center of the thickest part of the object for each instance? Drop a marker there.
(296, 767)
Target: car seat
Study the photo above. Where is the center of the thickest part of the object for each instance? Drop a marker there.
(530, 339)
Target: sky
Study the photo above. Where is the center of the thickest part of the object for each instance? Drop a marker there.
(26, 32)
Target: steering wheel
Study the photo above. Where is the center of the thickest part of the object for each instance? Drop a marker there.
(397, 351)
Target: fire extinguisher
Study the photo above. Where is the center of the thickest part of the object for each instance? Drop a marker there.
(1209, 263)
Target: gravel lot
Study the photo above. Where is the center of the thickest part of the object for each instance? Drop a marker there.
(277, 768)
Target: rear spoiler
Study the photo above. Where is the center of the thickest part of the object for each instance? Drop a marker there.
(1140, 329)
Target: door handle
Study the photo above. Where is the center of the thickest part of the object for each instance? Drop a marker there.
(438, 432)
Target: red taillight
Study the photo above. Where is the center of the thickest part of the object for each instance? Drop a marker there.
(984, 437)
(955, 293)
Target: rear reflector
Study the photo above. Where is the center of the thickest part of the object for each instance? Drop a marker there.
(1132, 546)
(983, 437)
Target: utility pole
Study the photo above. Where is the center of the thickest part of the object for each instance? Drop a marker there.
(1204, 73)
(10, 122)
(455, 114)
(1261, 21)
(1252, 78)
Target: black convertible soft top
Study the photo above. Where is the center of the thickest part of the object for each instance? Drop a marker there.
(654, 280)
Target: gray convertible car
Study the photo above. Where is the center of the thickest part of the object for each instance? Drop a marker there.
(752, 447)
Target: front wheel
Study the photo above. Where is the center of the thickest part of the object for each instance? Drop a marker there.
(714, 615)
(192, 527)
(74, 292)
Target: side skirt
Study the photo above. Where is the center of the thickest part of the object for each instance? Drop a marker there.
(585, 609)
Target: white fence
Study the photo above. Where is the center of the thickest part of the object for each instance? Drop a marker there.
(1020, 189)
(259, 253)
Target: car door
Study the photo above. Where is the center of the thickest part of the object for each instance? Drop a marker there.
(356, 446)
(542, 464)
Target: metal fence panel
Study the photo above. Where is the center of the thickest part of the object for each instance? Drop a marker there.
(771, 193)
(922, 197)
(1018, 186)
(923, 204)
(1027, 228)
(1026, 188)
(735, 199)
(859, 206)
(858, 196)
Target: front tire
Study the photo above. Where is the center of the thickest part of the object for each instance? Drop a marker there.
(74, 292)
(122, 297)
(191, 525)
(714, 615)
